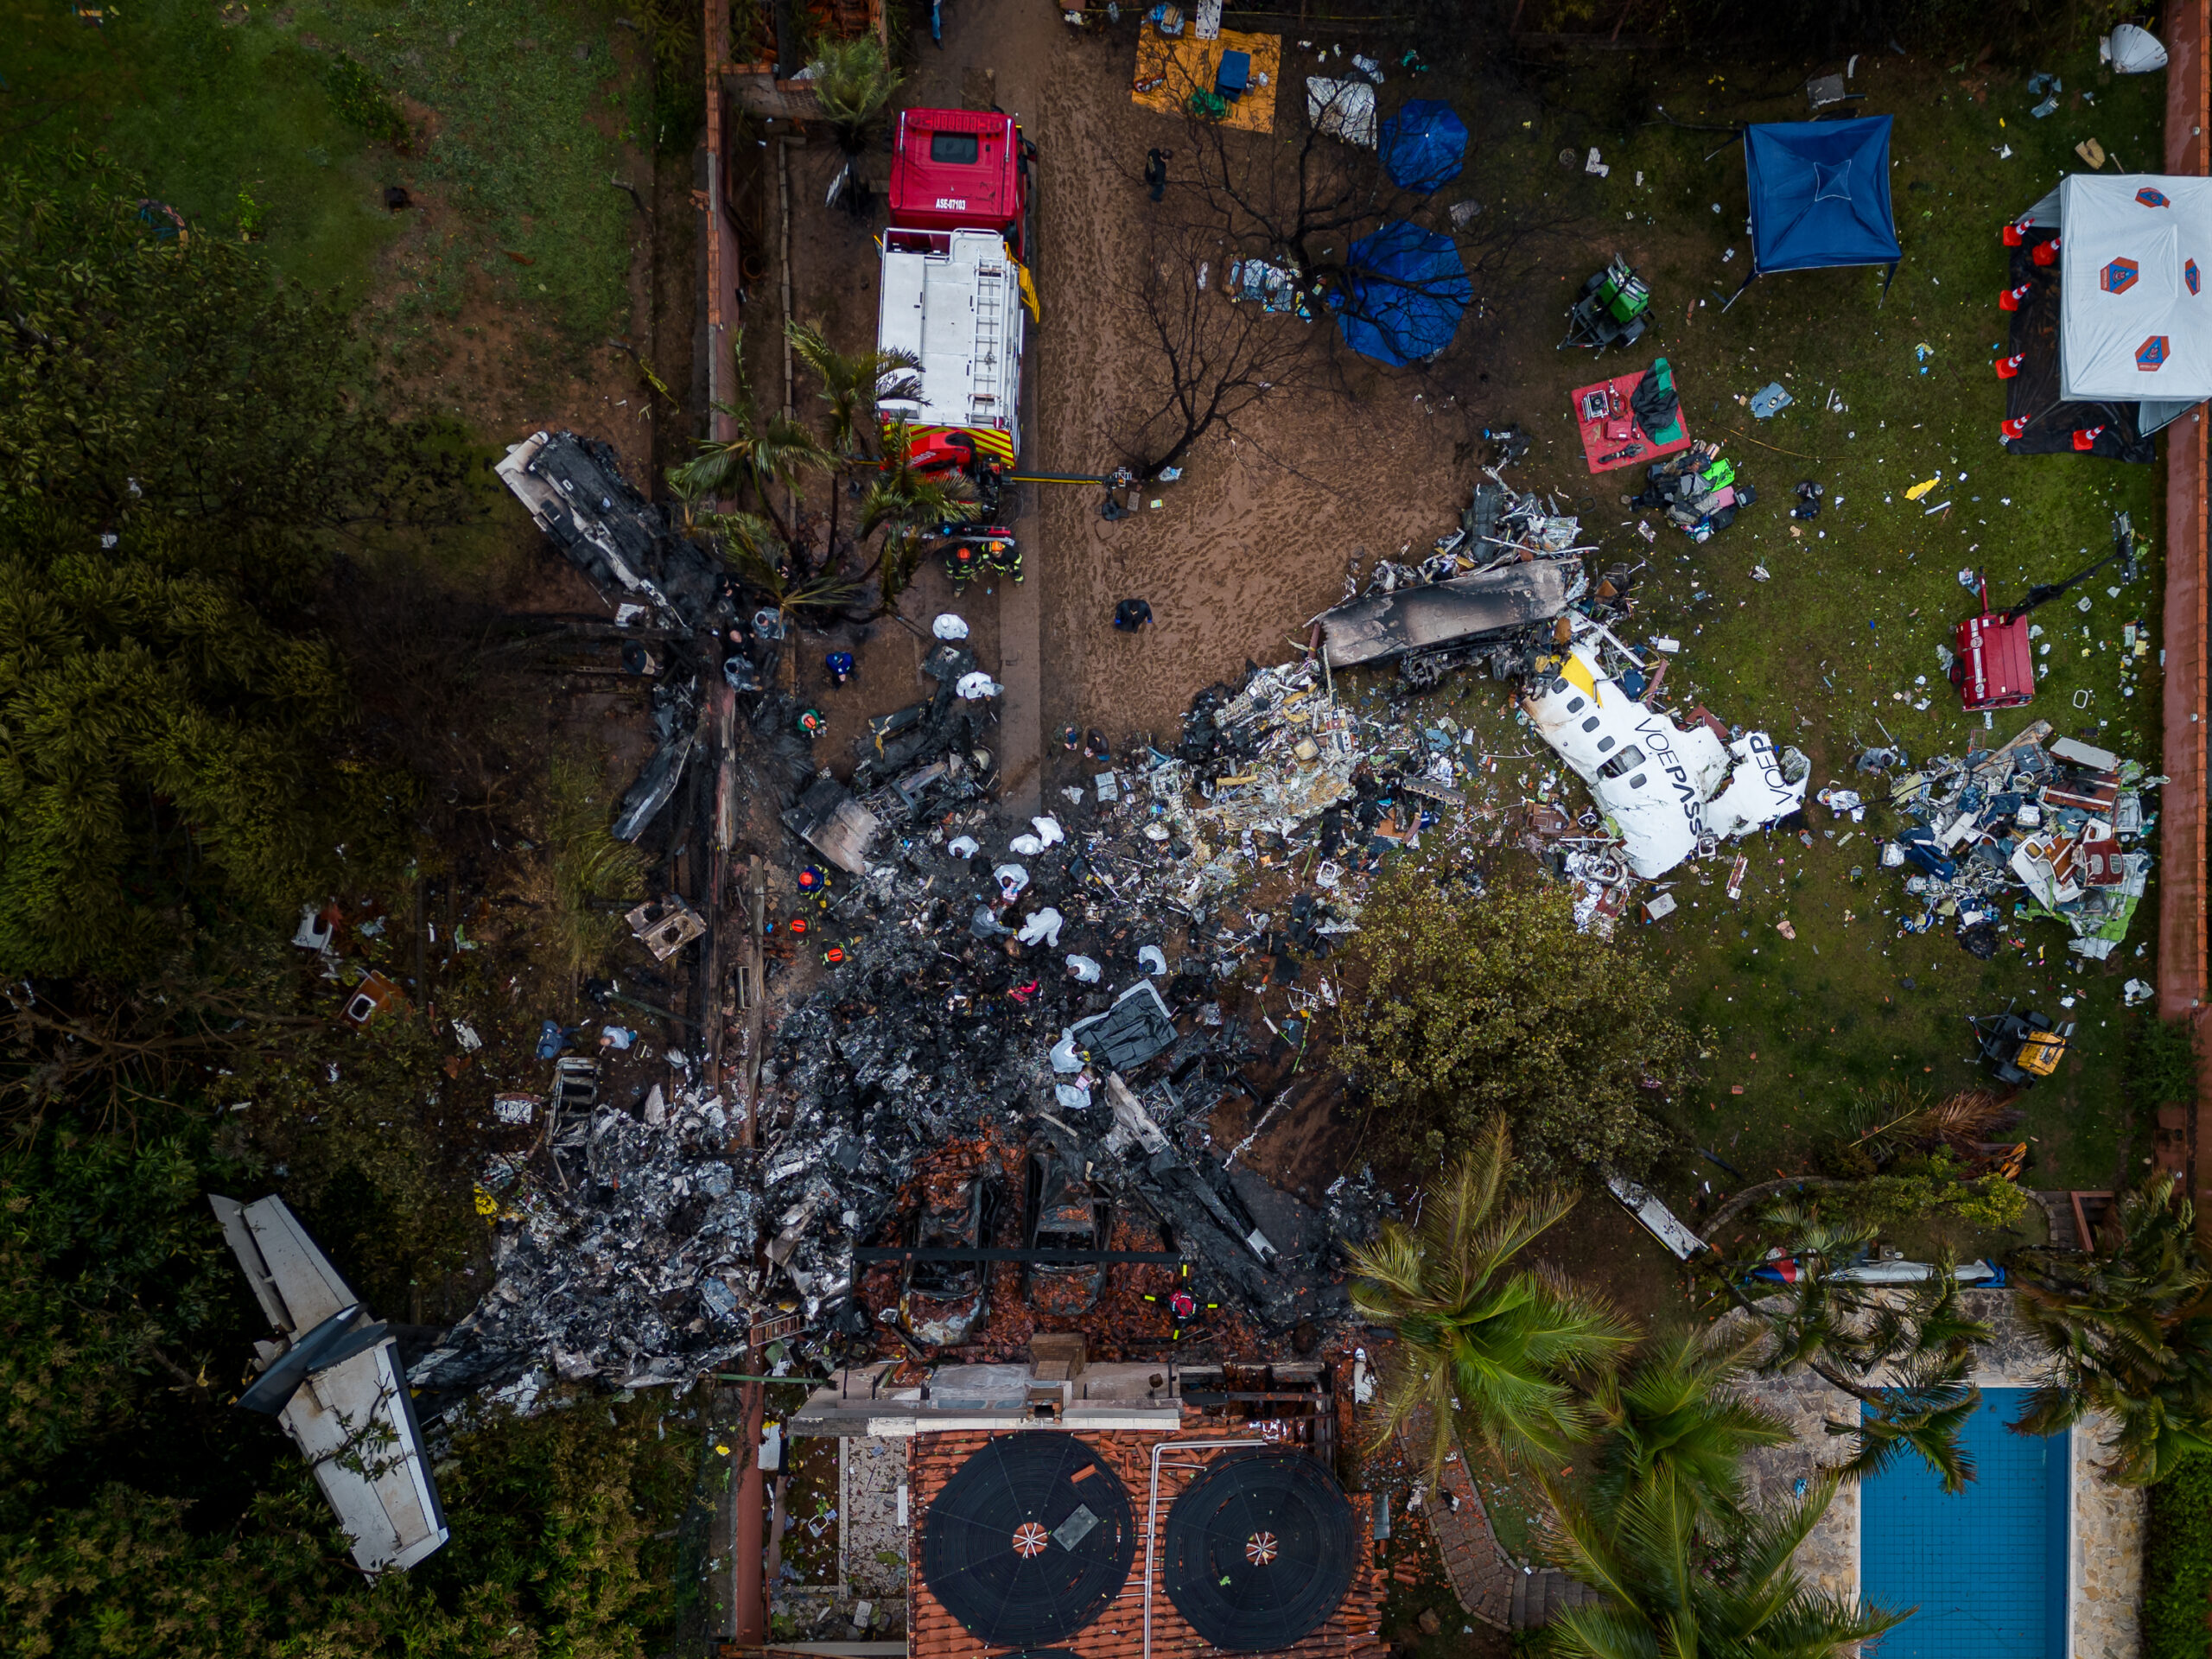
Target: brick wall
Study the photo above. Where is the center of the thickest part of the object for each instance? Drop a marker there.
(2182, 921)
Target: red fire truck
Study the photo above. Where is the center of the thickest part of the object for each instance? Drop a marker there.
(956, 284)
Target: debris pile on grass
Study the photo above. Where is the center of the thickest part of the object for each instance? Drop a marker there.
(2053, 828)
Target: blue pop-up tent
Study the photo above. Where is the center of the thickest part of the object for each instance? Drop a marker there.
(1424, 145)
(1820, 194)
(1405, 290)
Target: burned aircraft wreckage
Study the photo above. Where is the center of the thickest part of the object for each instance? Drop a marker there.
(637, 1265)
(657, 1246)
(654, 1246)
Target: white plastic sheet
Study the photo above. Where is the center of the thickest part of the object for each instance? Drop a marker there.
(1342, 109)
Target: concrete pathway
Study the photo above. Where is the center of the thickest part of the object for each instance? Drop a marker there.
(1482, 1577)
(1017, 46)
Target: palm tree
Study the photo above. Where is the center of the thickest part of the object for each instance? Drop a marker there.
(779, 450)
(1669, 1588)
(852, 83)
(2129, 1330)
(789, 592)
(1677, 1414)
(1848, 1333)
(1475, 1333)
(903, 501)
(1896, 1116)
(853, 383)
(1924, 1409)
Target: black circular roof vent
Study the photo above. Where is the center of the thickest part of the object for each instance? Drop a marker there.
(1260, 1550)
(1029, 1540)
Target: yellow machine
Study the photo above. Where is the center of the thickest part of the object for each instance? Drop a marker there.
(2022, 1049)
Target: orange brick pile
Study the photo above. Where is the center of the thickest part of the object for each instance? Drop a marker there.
(1118, 1632)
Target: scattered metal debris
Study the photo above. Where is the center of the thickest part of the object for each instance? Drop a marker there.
(2053, 827)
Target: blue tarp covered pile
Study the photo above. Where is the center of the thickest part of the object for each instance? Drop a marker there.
(1424, 145)
(1405, 291)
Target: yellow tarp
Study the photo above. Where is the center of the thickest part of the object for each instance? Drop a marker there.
(1186, 65)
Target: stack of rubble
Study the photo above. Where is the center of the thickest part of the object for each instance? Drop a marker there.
(1260, 762)
(1107, 1025)
(630, 1266)
(2054, 827)
(915, 1046)
(1499, 526)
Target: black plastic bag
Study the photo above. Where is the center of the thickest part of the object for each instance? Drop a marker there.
(1655, 403)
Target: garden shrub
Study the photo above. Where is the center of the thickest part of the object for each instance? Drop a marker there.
(2178, 1567)
(363, 103)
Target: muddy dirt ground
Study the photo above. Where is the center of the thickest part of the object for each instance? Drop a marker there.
(1254, 539)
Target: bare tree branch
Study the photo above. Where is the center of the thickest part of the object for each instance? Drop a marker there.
(1299, 199)
(1212, 358)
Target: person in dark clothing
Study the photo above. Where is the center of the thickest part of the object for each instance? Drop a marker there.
(840, 664)
(1131, 614)
(1156, 171)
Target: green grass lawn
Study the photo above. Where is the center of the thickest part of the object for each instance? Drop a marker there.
(1856, 606)
(1852, 618)
(220, 117)
(518, 115)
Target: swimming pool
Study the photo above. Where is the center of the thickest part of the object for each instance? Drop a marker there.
(1987, 1569)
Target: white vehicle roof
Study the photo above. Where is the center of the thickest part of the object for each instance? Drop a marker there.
(960, 312)
(1664, 786)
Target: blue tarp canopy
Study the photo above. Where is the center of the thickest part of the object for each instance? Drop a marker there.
(1820, 194)
(1405, 291)
(1423, 145)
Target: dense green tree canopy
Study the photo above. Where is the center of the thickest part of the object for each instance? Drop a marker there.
(183, 443)
(159, 738)
(1475, 1005)
(188, 450)
(148, 370)
(142, 1516)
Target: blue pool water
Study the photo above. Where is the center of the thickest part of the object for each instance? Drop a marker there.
(1986, 1569)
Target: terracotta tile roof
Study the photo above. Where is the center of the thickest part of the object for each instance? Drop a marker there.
(1118, 1633)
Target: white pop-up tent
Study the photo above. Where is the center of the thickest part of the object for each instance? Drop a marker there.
(2135, 263)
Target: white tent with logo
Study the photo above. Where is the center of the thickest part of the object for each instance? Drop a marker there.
(2135, 266)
